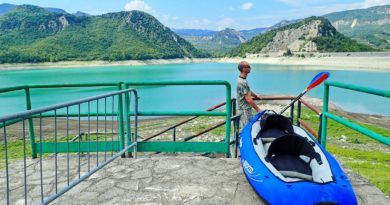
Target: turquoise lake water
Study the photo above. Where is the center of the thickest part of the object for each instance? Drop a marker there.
(264, 79)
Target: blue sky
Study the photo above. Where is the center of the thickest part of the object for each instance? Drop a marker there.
(211, 14)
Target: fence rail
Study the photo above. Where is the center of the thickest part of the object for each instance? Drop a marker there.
(89, 116)
(58, 173)
(326, 114)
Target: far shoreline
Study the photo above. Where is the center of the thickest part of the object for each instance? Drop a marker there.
(371, 61)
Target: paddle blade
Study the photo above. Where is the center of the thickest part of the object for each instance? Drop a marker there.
(318, 79)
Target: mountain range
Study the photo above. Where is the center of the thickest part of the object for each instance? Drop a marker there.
(218, 42)
(34, 34)
(369, 26)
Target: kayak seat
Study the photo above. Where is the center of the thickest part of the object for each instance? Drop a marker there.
(292, 166)
(274, 126)
(271, 134)
(284, 154)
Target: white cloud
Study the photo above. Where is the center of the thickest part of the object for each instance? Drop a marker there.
(165, 17)
(139, 5)
(371, 3)
(247, 6)
(226, 23)
(168, 20)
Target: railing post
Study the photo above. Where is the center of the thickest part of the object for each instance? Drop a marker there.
(237, 135)
(30, 124)
(299, 113)
(120, 123)
(135, 123)
(319, 127)
(324, 111)
(292, 112)
(228, 120)
(127, 119)
(234, 127)
(174, 134)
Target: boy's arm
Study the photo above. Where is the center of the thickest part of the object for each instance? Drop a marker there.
(249, 99)
(255, 95)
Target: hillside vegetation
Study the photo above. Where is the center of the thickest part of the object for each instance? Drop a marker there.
(33, 34)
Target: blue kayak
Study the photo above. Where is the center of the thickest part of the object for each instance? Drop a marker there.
(286, 165)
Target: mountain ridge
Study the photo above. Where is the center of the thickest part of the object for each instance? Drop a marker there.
(33, 34)
(370, 26)
(214, 42)
(313, 34)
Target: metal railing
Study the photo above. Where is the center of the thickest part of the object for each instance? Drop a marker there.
(326, 114)
(124, 130)
(186, 146)
(48, 177)
(218, 147)
(235, 119)
(27, 92)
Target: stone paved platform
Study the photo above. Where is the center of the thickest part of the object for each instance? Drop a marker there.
(156, 180)
(165, 180)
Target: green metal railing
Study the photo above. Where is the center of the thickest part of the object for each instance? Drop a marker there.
(325, 114)
(82, 154)
(27, 89)
(216, 147)
(123, 114)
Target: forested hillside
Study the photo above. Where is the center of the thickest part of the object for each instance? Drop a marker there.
(34, 34)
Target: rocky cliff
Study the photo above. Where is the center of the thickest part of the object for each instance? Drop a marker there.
(314, 34)
(370, 26)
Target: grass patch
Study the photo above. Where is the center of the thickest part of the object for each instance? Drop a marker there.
(337, 131)
(15, 150)
(347, 144)
(15, 147)
(373, 165)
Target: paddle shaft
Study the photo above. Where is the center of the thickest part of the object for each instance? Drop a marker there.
(293, 101)
(318, 79)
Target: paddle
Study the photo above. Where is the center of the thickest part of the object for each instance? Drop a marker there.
(318, 79)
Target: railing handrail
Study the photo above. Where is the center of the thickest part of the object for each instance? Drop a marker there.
(61, 105)
(183, 122)
(262, 97)
(325, 114)
(64, 85)
(358, 88)
(180, 82)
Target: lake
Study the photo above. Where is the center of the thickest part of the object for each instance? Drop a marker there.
(264, 79)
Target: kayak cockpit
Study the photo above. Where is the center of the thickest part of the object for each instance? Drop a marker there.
(288, 151)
